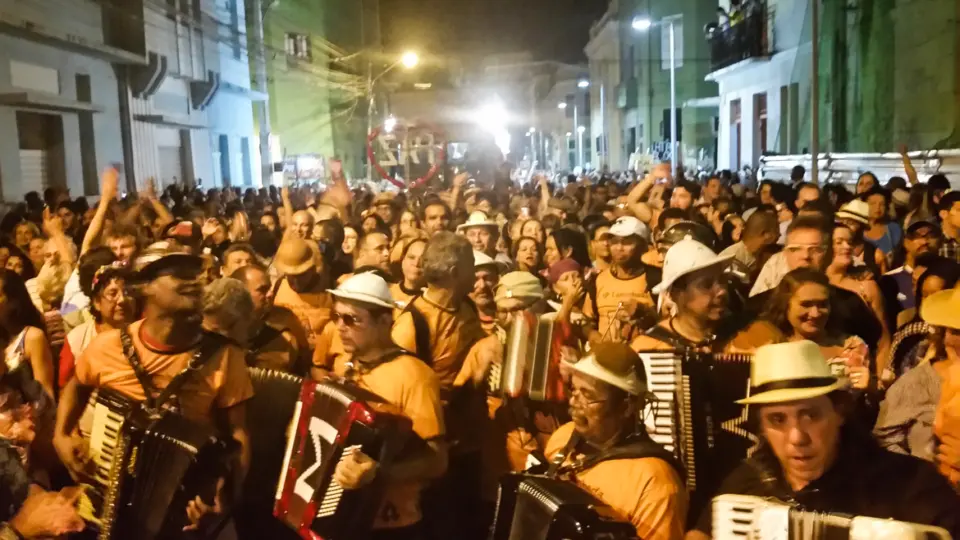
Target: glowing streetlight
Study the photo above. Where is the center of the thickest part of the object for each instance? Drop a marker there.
(562, 105)
(583, 83)
(642, 24)
(390, 124)
(410, 59)
(581, 129)
(569, 134)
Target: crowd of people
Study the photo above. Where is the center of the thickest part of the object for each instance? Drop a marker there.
(845, 297)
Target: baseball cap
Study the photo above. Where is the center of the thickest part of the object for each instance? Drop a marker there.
(629, 226)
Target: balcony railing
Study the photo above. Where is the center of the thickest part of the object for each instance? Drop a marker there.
(746, 38)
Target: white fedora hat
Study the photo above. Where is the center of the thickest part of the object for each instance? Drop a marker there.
(685, 257)
(477, 219)
(367, 288)
(789, 372)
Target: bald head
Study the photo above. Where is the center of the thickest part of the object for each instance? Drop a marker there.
(302, 224)
(761, 223)
(257, 282)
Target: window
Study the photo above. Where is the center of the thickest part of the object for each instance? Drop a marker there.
(298, 46)
(760, 123)
(677, 23)
(235, 43)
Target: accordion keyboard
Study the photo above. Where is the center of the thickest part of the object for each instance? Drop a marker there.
(331, 499)
(104, 438)
(663, 381)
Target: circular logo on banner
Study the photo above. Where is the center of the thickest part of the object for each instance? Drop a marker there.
(406, 155)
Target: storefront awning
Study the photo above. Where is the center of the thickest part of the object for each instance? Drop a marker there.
(41, 101)
(178, 122)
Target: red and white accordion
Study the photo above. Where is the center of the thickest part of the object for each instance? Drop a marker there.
(756, 518)
(330, 421)
(531, 362)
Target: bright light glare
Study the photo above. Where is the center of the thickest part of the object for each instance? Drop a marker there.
(410, 59)
(562, 105)
(389, 124)
(492, 118)
(583, 83)
(532, 131)
(581, 129)
(569, 134)
(641, 24)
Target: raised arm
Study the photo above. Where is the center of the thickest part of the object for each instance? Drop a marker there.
(149, 196)
(908, 166)
(108, 193)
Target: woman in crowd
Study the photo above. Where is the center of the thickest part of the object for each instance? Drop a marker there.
(410, 271)
(409, 224)
(23, 233)
(22, 333)
(528, 255)
(866, 182)
(942, 275)
(111, 305)
(882, 233)
(350, 237)
(532, 228)
(566, 243)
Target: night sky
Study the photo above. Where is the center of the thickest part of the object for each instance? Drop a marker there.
(550, 29)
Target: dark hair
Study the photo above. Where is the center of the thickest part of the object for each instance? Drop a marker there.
(946, 269)
(839, 192)
(868, 174)
(380, 227)
(239, 246)
(692, 187)
(810, 223)
(122, 230)
(778, 305)
(877, 190)
(433, 201)
(20, 309)
(938, 182)
(29, 272)
(516, 247)
(264, 242)
(90, 262)
(821, 207)
(550, 221)
(797, 173)
(575, 242)
(594, 226)
(397, 267)
(671, 213)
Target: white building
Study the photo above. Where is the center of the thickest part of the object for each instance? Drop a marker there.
(762, 67)
(606, 122)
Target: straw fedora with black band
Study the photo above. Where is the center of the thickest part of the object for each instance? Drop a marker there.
(941, 309)
(787, 372)
(295, 256)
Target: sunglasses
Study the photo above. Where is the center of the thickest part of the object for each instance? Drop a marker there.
(348, 320)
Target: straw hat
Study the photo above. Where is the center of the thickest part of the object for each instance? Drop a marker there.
(160, 255)
(367, 288)
(685, 257)
(940, 309)
(855, 210)
(789, 372)
(295, 256)
(477, 219)
(615, 364)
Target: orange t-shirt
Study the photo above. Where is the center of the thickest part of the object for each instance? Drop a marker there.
(311, 308)
(946, 424)
(220, 384)
(410, 385)
(611, 293)
(647, 492)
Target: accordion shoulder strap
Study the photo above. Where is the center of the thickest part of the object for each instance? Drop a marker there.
(636, 447)
(421, 332)
(210, 343)
(149, 390)
(662, 334)
(266, 335)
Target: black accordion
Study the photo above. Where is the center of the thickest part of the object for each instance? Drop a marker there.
(541, 508)
(330, 421)
(696, 416)
(269, 412)
(744, 516)
(147, 468)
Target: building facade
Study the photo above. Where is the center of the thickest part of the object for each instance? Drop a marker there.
(606, 123)
(86, 84)
(643, 95)
(321, 57)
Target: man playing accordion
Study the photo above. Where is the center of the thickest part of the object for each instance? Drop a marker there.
(811, 457)
(606, 450)
(363, 315)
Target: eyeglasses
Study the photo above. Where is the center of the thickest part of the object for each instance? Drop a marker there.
(348, 320)
(577, 396)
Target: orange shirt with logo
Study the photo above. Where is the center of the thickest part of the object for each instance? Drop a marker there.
(410, 385)
(647, 492)
(612, 292)
(221, 383)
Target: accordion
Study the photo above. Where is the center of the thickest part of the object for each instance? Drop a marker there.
(330, 421)
(695, 415)
(531, 363)
(743, 516)
(269, 411)
(146, 468)
(541, 508)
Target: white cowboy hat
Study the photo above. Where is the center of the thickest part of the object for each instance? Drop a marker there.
(477, 219)
(481, 259)
(614, 364)
(855, 210)
(789, 372)
(367, 288)
(685, 257)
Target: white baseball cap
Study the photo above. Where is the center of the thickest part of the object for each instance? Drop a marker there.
(367, 288)
(685, 257)
(629, 226)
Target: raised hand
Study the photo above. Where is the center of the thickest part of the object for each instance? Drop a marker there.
(109, 181)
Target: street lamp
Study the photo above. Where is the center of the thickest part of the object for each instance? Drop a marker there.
(562, 105)
(410, 59)
(642, 24)
(583, 83)
(580, 130)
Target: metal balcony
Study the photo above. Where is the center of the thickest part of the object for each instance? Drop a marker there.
(746, 38)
